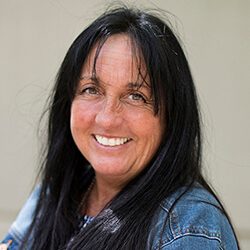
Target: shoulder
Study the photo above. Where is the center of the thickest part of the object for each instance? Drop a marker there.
(193, 220)
(24, 219)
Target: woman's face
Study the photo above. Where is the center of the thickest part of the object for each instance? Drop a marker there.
(112, 117)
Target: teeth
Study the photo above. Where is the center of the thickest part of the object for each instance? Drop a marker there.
(111, 141)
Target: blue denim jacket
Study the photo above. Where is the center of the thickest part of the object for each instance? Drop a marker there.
(195, 222)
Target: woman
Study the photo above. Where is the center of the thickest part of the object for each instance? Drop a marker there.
(122, 168)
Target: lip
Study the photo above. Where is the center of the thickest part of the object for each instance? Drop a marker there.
(123, 138)
(110, 136)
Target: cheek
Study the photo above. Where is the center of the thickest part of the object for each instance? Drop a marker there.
(148, 131)
(81, 117)
(147, 125)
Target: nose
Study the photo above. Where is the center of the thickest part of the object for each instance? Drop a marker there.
(110, 114)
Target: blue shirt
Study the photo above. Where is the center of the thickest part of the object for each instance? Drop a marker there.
(195, 222)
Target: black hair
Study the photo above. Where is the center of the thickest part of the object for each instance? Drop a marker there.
(125, 221)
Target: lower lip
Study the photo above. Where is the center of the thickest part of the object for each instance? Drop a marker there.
(107, 147)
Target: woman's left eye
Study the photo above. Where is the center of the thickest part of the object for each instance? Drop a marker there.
(137, 97)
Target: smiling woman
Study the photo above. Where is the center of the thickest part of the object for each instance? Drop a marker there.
(122, 168)
(112, 124)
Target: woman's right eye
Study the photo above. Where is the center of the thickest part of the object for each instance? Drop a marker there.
(90, 91)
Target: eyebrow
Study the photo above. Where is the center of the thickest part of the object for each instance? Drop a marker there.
(136, 85)
(130, 85)
(93, 78)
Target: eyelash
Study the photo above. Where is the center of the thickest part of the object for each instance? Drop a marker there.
(93, 91)
(138, 95)
(88, 90)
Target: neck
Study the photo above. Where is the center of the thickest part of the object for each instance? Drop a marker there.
(102, 192)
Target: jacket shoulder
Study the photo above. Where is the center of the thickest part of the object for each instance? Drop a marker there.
(23, 221)
(194, 213)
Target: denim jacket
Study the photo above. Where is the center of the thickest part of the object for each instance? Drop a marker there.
(195, 222)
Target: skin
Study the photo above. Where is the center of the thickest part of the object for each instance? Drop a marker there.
(5, 246)
(115, 103)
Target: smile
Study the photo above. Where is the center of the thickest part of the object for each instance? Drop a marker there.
(112, 142)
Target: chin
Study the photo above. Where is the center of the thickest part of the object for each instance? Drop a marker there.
(111, 170)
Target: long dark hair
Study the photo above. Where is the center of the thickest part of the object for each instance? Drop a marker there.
(124, 223)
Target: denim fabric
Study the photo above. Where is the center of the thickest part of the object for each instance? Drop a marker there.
(22, 222)
(195, 222)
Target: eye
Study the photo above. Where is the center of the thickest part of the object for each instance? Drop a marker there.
(137, 97)
(90, 91)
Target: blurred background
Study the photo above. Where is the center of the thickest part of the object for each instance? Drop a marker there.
(34, 37)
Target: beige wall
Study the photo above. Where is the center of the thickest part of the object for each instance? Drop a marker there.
(34, 36)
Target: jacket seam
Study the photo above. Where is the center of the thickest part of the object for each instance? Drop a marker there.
(15, 235)
(167, 242)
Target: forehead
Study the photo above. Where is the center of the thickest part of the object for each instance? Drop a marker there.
(116, 57)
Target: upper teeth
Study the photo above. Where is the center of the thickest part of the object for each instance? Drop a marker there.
(111, 141)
